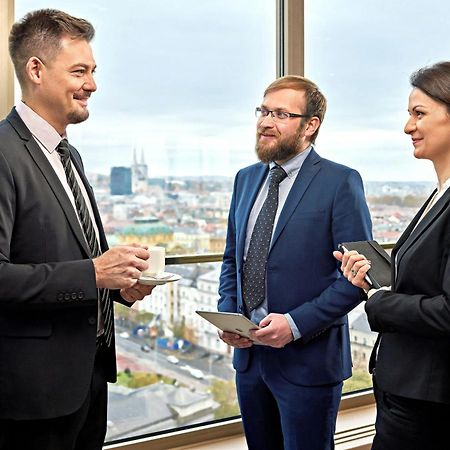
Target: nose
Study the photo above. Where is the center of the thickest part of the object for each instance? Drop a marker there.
(263, 119)
(410, 125)
(89, 84)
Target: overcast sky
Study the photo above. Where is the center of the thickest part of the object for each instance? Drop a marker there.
(180, 79)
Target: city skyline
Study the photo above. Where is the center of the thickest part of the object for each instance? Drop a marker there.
(181, 79)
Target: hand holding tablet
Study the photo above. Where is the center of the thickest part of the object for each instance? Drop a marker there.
(231, 322)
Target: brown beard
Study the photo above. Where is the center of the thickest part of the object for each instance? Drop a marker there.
(77, 117)
(284, 150)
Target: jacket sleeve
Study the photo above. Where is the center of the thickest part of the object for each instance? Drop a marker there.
(36, 285)
(350, 222)
(426, 316)
(228, 275)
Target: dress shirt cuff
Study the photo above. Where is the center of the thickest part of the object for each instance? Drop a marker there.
(372, 291)
(295, 332)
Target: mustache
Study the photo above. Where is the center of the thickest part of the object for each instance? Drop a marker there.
(83, 96)
(263, 131)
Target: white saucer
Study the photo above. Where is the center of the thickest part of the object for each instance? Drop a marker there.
(165, 277)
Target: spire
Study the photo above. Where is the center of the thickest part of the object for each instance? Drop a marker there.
(142, 157)
(134, 157)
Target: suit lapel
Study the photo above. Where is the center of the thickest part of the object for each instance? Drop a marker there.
(308, 171)
(415, 233)
(252, 185)
(79, 168)
(49, 174)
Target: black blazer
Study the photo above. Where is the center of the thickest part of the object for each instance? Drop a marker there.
(48, 295)
(414, 355)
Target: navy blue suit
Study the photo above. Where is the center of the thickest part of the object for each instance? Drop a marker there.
(326, 206)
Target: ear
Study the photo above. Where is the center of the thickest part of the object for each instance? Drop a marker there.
(33, 69)
(312, 126)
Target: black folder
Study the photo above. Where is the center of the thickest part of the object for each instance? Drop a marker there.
(379, 273)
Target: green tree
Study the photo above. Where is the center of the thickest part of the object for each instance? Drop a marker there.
(361, 379)
(224, 393)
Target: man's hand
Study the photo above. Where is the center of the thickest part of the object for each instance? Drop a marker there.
(275, 331)
(234, 339)
(137, 292)
(120, 267)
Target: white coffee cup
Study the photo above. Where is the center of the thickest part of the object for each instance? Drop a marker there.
(156, 262)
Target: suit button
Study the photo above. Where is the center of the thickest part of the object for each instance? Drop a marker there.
(74, 296)
(67, 296)
(92, 321)
(60, 297)
(80, 295)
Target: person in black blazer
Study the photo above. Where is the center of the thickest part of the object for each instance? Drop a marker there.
(55, 356)
(411, 369)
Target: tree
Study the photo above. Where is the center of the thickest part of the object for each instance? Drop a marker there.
(224, 393)
(360, 379)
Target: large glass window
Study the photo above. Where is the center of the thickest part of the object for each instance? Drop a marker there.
(171, 123)
(361, 54)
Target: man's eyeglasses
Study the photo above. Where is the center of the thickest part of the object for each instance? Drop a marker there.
(277, 114)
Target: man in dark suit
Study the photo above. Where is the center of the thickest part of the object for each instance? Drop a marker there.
(286, 216)
(57, 276)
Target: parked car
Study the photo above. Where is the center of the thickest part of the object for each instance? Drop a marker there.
(197, 373)
(173, 359)
(145, 348)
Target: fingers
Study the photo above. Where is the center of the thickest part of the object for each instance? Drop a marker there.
(134, 255)
(276, 331)
(133, 244)
(358, 274)
(338, 255)
(234, 339)
(348, 260)
(355, 267)
(120, 267)
(136, 292)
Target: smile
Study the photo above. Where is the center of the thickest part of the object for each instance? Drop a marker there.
(82, 100)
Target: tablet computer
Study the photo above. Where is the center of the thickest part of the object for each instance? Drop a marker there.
(232, 322)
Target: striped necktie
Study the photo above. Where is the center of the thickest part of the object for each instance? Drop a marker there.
(89, 234)
(254, 271)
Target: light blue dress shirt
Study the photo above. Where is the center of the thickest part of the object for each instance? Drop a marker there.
(292, 168)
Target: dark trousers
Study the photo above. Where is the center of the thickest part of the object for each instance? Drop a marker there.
(408, 424)
(83, 430)
(280, 415)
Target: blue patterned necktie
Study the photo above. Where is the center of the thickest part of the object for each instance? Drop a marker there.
(254, 271)
(89, 234)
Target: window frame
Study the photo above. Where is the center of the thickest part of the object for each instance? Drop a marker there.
(356, 413)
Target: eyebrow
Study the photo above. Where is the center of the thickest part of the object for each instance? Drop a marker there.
(415, 107)
(84, 65)
(280, 108)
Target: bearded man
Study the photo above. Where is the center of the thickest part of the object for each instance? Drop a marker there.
(289, 210)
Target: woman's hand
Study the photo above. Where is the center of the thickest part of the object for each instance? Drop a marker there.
(354, 267)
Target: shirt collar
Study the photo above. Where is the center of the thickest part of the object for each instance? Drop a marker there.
(41, 130)
(293, 165)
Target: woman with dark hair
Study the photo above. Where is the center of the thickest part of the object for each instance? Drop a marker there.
(411, 364)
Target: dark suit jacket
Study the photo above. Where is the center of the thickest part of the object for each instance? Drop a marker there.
(414, 356)
(48, 295)
(326, 206)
